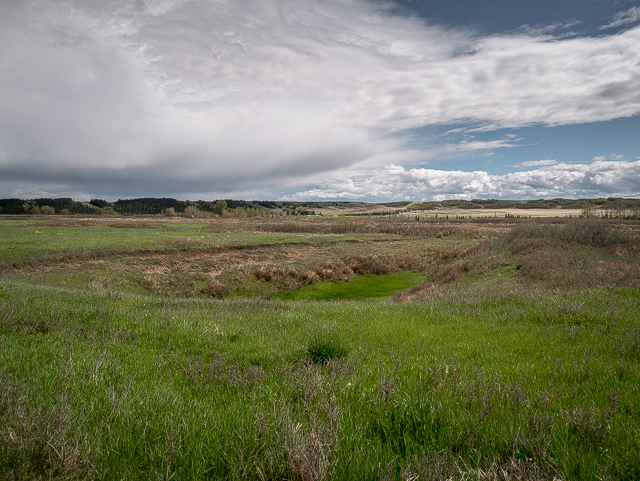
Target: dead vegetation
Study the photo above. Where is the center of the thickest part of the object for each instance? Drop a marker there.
(339, 271)
(356, 226)
(578, 254)
(36, 443)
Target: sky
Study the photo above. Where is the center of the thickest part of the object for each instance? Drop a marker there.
(368, 100)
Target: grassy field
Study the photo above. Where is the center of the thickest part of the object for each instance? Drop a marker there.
(146, 348)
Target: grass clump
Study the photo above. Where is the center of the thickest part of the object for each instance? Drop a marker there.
(324, 347)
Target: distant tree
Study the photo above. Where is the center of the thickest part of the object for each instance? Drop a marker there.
(47, 210)
(588, 210)
(108, 210)
(220, 208)
(192, 211)
(64, 212)
(35, 210)
(170, 212)
(99, 203)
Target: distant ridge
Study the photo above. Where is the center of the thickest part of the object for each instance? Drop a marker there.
(159, 206)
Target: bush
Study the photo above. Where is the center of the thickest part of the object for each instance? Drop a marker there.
(192, 211)
(47, 210)
(108, 210)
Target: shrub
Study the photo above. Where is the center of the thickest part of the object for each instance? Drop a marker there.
(35, 210)
(47, 210)
(108, 210)
(309, 277)
(192, 211)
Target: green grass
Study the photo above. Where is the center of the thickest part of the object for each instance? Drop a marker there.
(108, 370)
(365, 286)
(42, 241)
(139, 388)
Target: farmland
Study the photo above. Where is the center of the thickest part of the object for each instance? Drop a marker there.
(319, 348)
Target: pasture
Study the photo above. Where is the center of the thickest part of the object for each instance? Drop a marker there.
(308, 349)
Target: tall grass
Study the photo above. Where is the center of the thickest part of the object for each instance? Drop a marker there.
(592, 232)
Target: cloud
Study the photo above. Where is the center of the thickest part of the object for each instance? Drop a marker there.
(538, 163)
(468, 146)
(608, 178)
(624, 18)
(206, 97)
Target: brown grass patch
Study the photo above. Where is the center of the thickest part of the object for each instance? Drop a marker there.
(348, 225)
(569, 270)
(37, 444)
(215, 289)
(422, 293)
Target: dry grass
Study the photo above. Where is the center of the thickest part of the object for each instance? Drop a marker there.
(215, 289)
(39, 445)
(338, 271)
(422, 293)
(590, 232)
(583, 253)
(360, 226)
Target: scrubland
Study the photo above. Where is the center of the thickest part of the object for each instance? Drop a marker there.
(350, 348)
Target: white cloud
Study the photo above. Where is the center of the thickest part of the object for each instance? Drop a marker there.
(173, 97)
(538, 163)
(468, 146)
(624, 18)
(610, 178)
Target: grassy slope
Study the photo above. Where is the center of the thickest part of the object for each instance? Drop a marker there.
(134, 387)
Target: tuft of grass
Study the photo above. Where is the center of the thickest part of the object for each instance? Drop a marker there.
(324, 347)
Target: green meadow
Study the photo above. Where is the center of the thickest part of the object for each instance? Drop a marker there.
(309, 350)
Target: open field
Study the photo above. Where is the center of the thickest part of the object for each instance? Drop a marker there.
(172, 348)
(481, 213)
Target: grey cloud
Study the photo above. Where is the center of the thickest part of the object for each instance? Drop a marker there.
(171, 96)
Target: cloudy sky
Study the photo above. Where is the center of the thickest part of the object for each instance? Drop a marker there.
(369, 100)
